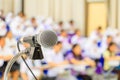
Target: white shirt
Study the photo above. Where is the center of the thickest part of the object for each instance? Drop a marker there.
(78, 40)
(3, 29)
(94, 51)
(17, 26)
(34, 65)
(4, 52)
(55, 58)
(65, 43)
(31, 31)
(11, 42)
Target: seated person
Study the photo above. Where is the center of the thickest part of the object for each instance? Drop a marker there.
(109, 55)
(105, 43)
(56, 61)
(35, 66)
(78, 38)
(76, 58)
(63, 37)
(5, 55)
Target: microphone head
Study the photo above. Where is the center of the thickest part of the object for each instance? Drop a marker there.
(47, 38)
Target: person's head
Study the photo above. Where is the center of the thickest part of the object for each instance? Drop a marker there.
(2, 41)
(63, 33)
(76, 49)
(1, 12)
(9, 35)
(21, 14)
(71, 22)
(60, 23)
(109, 39)
(57, 48)
(112, 47)
(33, 20)
(99, 29)
(77, 32)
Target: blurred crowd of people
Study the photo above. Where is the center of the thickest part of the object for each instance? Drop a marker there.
(72, 48)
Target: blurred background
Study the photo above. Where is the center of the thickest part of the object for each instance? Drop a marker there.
(85, 13)
(88, 33)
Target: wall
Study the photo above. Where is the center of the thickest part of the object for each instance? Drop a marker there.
(11, 6)
(62, 10)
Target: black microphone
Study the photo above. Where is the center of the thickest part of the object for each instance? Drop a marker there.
(45, 38)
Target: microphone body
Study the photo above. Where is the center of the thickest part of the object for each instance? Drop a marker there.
(46, 39)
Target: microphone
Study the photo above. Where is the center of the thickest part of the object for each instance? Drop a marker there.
(46, 39)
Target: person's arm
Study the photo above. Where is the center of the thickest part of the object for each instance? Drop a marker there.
(112, 58)
(65, 62)
(78, 62)
(52, 64)
(74, 61)
(6, 57)
(24, 76)
(90, 62)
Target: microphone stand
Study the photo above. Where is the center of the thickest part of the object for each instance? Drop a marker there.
(11, 62)
(35, 53)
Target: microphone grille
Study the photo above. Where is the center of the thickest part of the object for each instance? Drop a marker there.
(47, 38)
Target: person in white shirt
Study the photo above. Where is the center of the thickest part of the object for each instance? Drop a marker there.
(70, 27)
(56, 60)
(97, 33)
(5, 55)
(94, 51)
(9, 18)
(78, 39)
(17, 25)
(3, 29)
(105, 43)
(33, 28)
(63, 37)
(11, 42)
(58, 27)
(34, 65)
(117, 38)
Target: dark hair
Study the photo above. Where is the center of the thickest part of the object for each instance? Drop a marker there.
(2, 37)
(74, 46)
(76, 30)
(21, 13)
(60, 23)
(77, 57)
(59, 42)
(109, 36)
(111, 44)
(33, 18)
(99, 28)
(62, 30)
(71, 21)
(7, 33)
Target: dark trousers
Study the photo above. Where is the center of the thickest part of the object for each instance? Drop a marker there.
(48, 78)
(84, 77)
